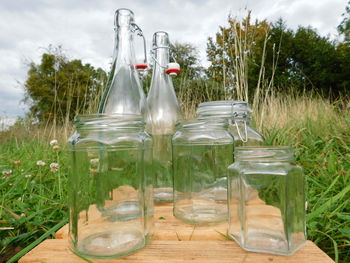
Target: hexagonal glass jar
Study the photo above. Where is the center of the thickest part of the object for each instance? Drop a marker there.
(202, 151)
(266, 198)
(110, 195)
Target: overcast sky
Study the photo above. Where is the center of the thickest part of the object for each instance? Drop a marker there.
(85, 29)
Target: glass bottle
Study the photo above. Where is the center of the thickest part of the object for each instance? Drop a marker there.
(163, 112)
(266, 200)
(110, 198)
(202, 151)
(124, 93)
(238, 114)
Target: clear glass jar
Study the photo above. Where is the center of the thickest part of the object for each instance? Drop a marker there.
(110, 194)
(202, 151)
(238, 114)
(266, 200)
(163, 112)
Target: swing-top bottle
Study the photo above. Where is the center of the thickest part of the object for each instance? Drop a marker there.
(163, 112)
(124, 94)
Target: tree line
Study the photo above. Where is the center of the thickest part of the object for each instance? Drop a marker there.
(245, 56)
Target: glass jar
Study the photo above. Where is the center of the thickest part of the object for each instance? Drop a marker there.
(163, 112)
(266, 200)
(202, 151)
(238, 114)
(110, 194)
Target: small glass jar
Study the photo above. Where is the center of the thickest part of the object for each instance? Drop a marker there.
(202, 151)
(266, 200)
(110, 194)
(238, 115)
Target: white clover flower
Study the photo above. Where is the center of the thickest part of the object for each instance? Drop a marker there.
(53, 142)
(40, 163)
(28, 176)
(94, 161)
(56, 148)
(53, 167)
(7, 172)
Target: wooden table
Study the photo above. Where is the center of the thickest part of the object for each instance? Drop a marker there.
(175, 242)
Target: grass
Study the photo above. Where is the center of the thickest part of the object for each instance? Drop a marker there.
(31, 205)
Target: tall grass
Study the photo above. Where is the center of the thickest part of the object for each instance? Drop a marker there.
(317, 128)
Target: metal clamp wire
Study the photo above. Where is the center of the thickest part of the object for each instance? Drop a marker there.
(235, 115)
(155, 60)
(139, 32)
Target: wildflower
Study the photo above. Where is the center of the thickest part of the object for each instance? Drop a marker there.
(40, 163)
(28, 176)
(53, 167)
(53, 142)
(17, 162)
(93, 171)
(23, 214)
(7, 173)
(94, 161)
(55, 147)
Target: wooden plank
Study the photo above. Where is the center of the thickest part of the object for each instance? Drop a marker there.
(160, 251)
(167, 227)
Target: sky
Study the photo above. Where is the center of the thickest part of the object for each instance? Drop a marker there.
(84, 28)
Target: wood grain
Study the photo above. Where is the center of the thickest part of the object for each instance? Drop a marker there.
(160, 251)
(167, 227)
(175, 242)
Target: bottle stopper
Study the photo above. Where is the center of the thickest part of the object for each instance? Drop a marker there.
(173, 69)
(141, 66)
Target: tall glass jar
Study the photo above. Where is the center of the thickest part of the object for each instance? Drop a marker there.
(123, 93)
(202, 151)
(266, 200)
(238, 113)
(163, 112)
(110, 195)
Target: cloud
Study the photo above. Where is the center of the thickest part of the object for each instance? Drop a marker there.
(85, 29)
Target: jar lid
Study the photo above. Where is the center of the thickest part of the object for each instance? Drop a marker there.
(195, 124)
(224, 108)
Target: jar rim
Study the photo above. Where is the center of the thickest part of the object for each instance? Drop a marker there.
(107, 121)
(195, 124)
(264, 153)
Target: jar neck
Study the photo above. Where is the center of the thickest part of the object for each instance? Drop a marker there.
(202, 125)
(103, 122)
(272, 154)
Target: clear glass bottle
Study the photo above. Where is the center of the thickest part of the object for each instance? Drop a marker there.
(202, 151)
(110, 197)
(238, 114)
(266, 200)
(163, 112)
(124, 93)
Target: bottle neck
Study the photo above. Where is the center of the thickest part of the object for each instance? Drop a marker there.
(124, 46)
(161, 55)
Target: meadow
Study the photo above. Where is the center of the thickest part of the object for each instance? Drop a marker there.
(33, 185)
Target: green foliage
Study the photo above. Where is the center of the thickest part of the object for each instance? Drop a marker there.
(59, 88)
(187, 56)
(251, 56)
(344, 26)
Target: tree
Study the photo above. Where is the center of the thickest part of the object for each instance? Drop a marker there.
(234, 52)
(58, 88)
(187, 56)
(344, 26)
